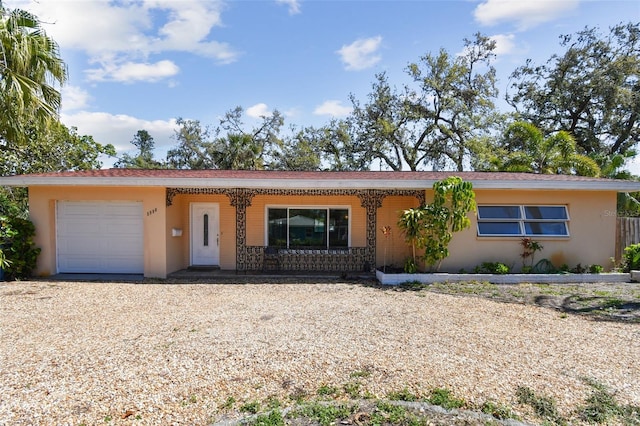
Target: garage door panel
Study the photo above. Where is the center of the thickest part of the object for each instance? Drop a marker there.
(121, 230)
(79, 228)
(100, 237)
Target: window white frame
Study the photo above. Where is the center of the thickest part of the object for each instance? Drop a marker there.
(289, 207)
(521, 220)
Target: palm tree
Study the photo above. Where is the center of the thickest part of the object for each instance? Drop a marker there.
(613, 167)
(237, 151)
(30, 69)
(527, 150)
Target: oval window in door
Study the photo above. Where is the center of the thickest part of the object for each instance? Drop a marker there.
(205, 225)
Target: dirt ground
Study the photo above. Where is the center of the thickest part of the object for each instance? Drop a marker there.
(597, 301)
(176, 352)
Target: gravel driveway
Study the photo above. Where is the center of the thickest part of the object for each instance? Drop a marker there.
(74, 353)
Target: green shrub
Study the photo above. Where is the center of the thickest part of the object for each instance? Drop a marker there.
(579, 269)
(544, 266)
(18, 248)
(632, 257)
(492, 268)
(410, 266)
(595, 269)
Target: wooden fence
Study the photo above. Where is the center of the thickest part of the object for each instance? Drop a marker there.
(627, 232)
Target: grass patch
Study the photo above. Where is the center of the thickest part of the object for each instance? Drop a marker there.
(326, 390)
(444, 398)
(612, 302)
(360, 374)
(602, 407)
(543, 406)
(324, 414)
(273, 418)
(273, 403)
(413, 286)
(403, 395)
(298, 395)
(250, 407)
(386, 413)
(497, 410)
(352, 389)
(228, 403)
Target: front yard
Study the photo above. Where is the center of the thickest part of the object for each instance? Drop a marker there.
(193, 353)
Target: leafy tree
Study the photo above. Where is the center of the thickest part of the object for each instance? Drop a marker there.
(30, 67)
(52, 149)
(340, 148)
(441, 120)
(144, 158)
(300, 151)
(591, 91)
(47, 149)
(525, 149)
(193, 146)
(385, 128)
(232, 147)
(455, 102)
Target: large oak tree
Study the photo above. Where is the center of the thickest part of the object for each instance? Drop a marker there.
(592, 90)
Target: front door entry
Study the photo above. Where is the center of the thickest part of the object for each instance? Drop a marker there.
(205, 234)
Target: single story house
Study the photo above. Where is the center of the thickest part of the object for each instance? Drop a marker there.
(155, 222)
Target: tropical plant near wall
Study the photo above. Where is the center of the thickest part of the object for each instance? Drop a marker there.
(529, 249)
(411, 223)
(431, 227)
(18, 249)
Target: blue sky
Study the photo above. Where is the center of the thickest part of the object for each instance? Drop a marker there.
(141, 64)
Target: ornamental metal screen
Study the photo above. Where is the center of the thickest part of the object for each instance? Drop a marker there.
(251, 258)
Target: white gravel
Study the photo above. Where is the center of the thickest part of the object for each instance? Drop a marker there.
(74, 353)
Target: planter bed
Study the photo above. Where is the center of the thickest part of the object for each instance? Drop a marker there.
(396, 279)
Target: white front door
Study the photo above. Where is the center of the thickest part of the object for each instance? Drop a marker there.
(205, 234)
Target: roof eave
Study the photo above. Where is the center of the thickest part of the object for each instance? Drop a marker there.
(578, 185)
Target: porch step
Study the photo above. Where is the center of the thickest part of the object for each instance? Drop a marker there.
(203, 268)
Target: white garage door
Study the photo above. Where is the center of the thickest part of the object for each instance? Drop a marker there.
(100, 237)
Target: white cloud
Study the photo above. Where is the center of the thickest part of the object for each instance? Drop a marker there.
(258, 111)
(332, 108)
(129, 71)
(119, 129)
(361, 54)
(524, 14)
(116, 33)
(74, 98)
(294, 6)
(505, 44)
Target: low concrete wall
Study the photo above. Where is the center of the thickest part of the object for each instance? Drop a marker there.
(396, 279)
